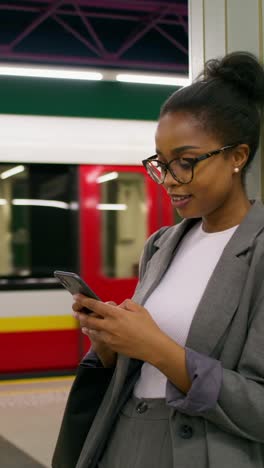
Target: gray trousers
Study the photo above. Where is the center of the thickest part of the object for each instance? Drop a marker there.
(141, 437)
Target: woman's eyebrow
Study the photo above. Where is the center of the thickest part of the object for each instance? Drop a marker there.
(180, 149)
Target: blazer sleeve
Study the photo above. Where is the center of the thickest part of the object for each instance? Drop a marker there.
(239, 406)
(91, 359)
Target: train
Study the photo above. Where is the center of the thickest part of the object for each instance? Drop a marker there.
(73, 196)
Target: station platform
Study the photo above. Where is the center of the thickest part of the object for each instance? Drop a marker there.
(30, 415)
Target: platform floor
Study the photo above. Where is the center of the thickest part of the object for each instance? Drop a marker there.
(30, 417)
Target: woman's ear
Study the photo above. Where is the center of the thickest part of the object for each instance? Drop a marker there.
(240, 156)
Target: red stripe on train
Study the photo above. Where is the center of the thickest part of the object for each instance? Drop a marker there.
(37, 351)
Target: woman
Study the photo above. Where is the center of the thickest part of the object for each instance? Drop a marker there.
(193, 392)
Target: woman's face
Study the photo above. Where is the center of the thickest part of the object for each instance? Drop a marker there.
(212, 187)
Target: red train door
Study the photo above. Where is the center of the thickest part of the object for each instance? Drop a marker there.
(120, 207)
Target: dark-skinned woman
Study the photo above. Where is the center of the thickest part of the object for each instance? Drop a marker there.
(188, 349)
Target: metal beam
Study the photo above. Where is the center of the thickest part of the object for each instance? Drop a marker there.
(89, 28)
(184, 24)
(35, 23)
(131, 5)
(151, 14)
(141, 31)
(76, 34)
(171, 39)
(91, 14)
(92, 61)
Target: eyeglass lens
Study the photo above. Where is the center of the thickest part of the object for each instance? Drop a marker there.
(181, 170)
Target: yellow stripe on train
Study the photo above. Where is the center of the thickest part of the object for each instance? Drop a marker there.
(39, 323)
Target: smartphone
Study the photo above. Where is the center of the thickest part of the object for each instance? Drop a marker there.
(75, 284)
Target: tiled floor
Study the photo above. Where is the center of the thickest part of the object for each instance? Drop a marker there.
(30, 416)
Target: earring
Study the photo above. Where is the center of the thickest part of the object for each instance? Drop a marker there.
(236, 169)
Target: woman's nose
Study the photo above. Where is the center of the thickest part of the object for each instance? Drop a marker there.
(170, 180)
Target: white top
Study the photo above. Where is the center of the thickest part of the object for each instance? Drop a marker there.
(174, 301)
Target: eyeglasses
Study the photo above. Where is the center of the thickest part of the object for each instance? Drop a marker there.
(181, 169)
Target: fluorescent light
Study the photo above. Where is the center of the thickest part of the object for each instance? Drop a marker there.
(84, 74)
(107, 177)
(10, 172)
(111, 206)
(74, 206)
(153, 79)
(45, 72)
(48, 203)
(3, 201)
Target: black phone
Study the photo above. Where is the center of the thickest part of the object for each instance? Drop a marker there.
(75, 284)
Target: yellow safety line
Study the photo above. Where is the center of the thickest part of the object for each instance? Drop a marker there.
(38, 323)
(32, 391)
(35, 380)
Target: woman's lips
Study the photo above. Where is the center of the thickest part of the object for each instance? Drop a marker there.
(180, 201)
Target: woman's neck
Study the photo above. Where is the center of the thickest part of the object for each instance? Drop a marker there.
(226, 217)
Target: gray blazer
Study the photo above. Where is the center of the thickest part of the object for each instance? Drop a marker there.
(228, 326)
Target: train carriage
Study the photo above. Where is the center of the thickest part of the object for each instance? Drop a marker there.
(73, 196)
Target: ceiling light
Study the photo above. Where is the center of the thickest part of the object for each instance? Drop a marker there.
(153, 79)
(112, 206)
(84, 74)
(44, 72)
(107, 177)
(10, 172)
(34, 202)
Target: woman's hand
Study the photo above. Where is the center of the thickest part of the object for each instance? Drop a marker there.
(130, 330)
(105, 354)
(127, 329)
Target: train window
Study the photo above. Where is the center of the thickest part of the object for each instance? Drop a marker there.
(124, 222)
(37, 219)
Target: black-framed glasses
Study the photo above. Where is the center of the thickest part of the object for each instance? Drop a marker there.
(181, 169)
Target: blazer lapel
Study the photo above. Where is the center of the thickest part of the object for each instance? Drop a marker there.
(225, 287)
(156, 267)
(218, 304)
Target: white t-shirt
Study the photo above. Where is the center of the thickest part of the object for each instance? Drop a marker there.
(174, 301)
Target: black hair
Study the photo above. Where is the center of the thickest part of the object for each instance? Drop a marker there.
(227, 99)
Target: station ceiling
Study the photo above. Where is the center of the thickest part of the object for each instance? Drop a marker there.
(147, 35)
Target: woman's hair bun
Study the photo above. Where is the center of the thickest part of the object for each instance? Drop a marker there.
(242, 70)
